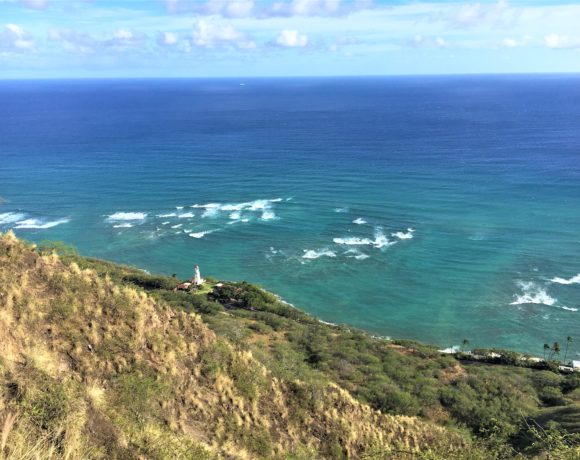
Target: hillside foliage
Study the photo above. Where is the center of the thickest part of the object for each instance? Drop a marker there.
(99, 360)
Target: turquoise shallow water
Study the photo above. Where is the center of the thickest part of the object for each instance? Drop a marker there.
(309, 187)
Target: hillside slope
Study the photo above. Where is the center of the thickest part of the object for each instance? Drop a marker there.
(93, 369)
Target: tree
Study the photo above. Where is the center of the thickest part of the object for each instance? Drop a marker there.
(568, 342)
(546, 348)
(555, 350)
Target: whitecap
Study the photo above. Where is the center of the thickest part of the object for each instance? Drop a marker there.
(236, 215)
(359, 221)
(39, 224)
(573, 280)
(179, 208)
(233, 207)
(165, 223)
(356, 254)
(201, 234)
(340, 209)
(176, 226)
(259, 205)
(381, 241)
(165, 216)
(352, 240)
(268, 215)
(186, 215)
(569, 308)
(533, 294)
(205, 206)
(10, 217)
(124, 225)
(127, 216)
(211, 212)
(404, 235)
(312, 254)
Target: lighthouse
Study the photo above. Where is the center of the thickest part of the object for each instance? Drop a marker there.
(197, 280)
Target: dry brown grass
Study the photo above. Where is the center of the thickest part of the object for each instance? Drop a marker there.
(98, 370)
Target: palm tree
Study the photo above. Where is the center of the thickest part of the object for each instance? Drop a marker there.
(568, 342)
(546, 348)
(555, 350)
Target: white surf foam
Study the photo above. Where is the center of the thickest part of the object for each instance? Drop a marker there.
(533, 294)
(380, 240)
(124, 225)
(569, 308)
(176, 226)
(573, 280)
(340, 209)
(268, 215)
(352, 240)
(165, 223)
(199, 235)
(312, 254)
(186, 215)
(179, 208)
(356, 254)
(236, 215)
(127, 216)
(359, 221)
(10, 217)
(404, 235)
(165, 216)
(39, 224)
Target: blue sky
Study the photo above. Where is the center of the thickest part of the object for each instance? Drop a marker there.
(231, 38)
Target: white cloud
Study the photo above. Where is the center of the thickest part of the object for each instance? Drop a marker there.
(260, 9)
(167, 39)
(556, 41)
(421, 41)
(469, 15)
(35, 4)
(511, 42)
(121, 40)
(73, 41)
(291, 39)
(14, 38)
(212, 34)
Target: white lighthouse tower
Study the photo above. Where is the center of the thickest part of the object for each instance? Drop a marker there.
(197, 279)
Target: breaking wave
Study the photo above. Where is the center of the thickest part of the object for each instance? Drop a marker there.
(356, 254)
(380, 240)
(573, 280)
(268, 215)
(312, 254)
(127, 216)
(359, 221)
(123, 225)
(199, 235)
(533, 294)
(10, 217)
(39, 224)
(404, 235)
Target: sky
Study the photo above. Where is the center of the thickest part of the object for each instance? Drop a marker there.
(249, 38)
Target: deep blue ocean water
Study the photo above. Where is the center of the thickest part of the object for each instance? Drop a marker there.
(433, 208)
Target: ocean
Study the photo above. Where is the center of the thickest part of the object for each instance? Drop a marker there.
(429, 208)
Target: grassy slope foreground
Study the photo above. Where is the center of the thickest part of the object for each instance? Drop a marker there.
(91, 368)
